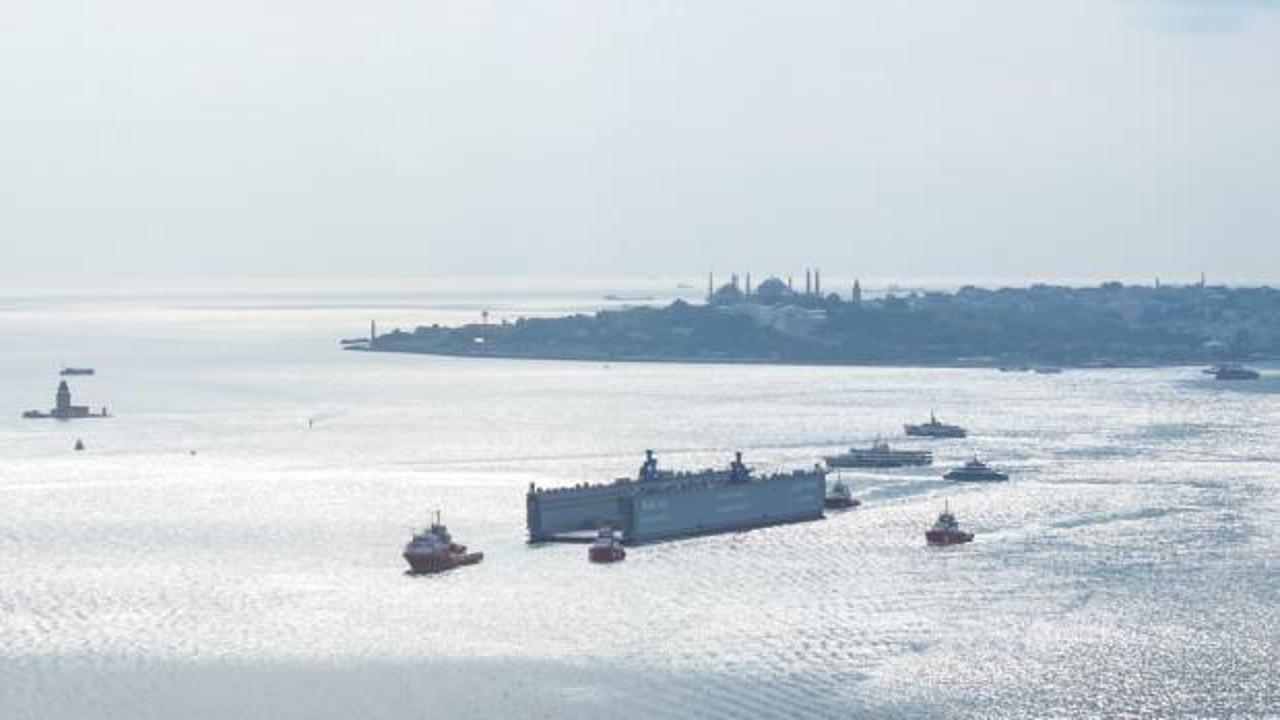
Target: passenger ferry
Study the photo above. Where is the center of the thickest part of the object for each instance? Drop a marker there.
(975, 471)
(879, 455)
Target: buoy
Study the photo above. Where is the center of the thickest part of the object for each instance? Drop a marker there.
(79, 444)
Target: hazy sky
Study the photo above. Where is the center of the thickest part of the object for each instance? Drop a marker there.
(944, 138)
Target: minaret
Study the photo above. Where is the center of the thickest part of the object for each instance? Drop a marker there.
(789, 287)
(808, 282)
(817, 283)
(856, 297)
(373, 332)
(748, 283)
(711, 285)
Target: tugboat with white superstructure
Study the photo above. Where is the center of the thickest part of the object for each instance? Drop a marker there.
(433, 550)
(946, 530)
(607, 547)
(935, 429)
(839, 497)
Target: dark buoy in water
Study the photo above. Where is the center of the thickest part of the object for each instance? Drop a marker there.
(79, 444)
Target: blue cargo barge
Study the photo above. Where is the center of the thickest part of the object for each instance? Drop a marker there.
(660, 504)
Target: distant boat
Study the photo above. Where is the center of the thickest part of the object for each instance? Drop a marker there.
(1040, 369)
(935, 429)
(79, 444)
(629, 298)
(975, 471)
(68, 371)
(1232, 371)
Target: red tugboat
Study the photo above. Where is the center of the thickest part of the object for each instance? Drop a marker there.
(946, 531)
(433, 550)
(607, 548)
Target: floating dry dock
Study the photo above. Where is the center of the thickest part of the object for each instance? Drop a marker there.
(661, 504)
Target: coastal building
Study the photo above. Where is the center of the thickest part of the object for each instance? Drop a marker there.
(788, 320)
(773, 290)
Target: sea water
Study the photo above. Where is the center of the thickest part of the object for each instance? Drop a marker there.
(228, 544)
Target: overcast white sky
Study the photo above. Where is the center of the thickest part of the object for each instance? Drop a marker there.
(947, 138)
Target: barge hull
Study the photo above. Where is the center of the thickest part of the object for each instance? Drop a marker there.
(728, 508)
(646, 514)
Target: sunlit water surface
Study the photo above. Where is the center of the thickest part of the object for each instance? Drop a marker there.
(228, 544)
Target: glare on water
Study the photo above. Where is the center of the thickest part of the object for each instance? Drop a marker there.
(228, 544)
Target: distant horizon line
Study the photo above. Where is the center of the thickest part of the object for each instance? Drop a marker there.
(698, 280)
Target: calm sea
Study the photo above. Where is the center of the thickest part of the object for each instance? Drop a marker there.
(227, 546)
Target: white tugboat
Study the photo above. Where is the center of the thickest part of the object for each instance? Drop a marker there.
(433, 550)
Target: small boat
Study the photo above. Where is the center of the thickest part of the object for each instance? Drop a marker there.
(935, 429)
(68, 371)
(607, 547)
(879, 455)
(975, 471)
(839, 497)
(1232, 371)
(79, 444)
(946, 531)
(433, 550)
